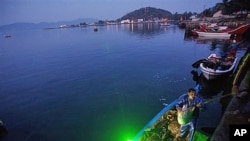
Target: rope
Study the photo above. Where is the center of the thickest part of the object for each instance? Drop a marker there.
(213, 99)
(226, 95)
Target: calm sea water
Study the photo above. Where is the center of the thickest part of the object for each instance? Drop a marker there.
(80, 85)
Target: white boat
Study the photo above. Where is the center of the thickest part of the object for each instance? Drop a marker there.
(214, 66)
(221, 32)
(220, 35)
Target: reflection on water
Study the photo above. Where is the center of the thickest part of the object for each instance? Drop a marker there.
(146, 29)
(210, 88)
(208, 40)
(218, 89)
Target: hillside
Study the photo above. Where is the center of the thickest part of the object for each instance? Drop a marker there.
(147, 13)
(23, 25)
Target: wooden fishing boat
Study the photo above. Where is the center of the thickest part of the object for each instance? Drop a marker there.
(164, 126)
(222, 33)
(214, 66)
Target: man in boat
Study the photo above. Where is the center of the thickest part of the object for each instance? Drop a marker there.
(242, 72)
(187, 113)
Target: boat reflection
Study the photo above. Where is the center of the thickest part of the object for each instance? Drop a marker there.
(216, 89)
(207, 40)
(147, 29)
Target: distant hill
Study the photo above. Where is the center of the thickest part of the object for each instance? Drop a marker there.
(77, 21)
(147, 13)
(23, 25)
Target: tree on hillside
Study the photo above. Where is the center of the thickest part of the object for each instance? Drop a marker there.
(231, 6)
(147, 13)
(239, 5)
(228, 7)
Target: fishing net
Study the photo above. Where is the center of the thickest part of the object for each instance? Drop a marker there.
(185, 116)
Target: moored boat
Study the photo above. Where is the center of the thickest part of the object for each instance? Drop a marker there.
(221, 35)
(220, 32)
(239, 30)
(214, 66)
(209, 28)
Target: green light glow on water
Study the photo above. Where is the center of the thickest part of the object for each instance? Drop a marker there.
(122, 131)
(127, 136)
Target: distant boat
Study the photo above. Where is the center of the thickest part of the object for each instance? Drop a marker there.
(63, 26)
(165, 24)
(95, 29)
(7, 36)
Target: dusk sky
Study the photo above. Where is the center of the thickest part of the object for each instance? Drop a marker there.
(36, 11)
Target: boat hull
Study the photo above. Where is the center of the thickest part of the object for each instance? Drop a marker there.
(210, 73)
(139, 136)
(221, 35)
(223, 32)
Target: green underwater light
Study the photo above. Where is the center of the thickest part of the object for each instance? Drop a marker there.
(127, 135)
